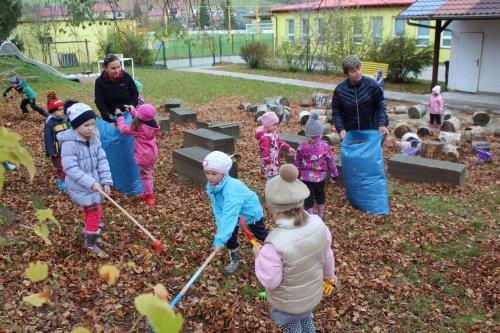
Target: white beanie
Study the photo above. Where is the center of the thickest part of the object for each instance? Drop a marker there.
(79, 113)
(437, 89)
(217, 161)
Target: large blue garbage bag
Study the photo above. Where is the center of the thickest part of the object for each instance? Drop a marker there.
(363, 171)
(119, 150)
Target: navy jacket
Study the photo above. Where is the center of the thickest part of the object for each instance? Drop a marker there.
(359, 107)
(110, 96)
(52, 127)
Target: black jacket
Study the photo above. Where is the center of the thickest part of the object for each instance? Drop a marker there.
(359, 107)
(110, 96)
(52, 127)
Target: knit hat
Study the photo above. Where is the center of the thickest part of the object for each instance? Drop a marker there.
(79, 113)
(313, 126)
(269, 118)
(138, 85)
(146, 112)
(217, 161)
(285, 191)
(53, 103)
(437, 89)
(14, 80)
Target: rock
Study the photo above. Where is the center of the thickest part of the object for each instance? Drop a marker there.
(306, 102)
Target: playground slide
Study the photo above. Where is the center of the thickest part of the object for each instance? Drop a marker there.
(7, 48)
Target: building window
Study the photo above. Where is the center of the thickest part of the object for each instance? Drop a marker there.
(321, 30)
(446, 39)
(399, 27)
(291, 30)
(377, 26)
(305, 30)
(423, 34)
(357, 30)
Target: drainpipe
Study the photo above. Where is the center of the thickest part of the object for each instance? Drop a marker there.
(275, 37)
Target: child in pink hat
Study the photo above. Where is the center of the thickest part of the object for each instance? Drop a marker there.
(144, 129)
(270, 145)
(436, 108)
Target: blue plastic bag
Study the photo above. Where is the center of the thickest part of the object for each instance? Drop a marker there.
(363, 171)
(119, 150)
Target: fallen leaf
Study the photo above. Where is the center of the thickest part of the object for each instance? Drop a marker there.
(109, 273)
(161, 292)
(37, 271)
(80, 329)
(37, 299)
(42, 231)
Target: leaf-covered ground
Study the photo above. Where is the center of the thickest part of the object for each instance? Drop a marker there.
(432, 265)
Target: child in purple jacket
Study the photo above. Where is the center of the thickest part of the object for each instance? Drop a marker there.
(315, 159)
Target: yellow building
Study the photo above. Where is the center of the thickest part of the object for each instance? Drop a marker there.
(377, 21)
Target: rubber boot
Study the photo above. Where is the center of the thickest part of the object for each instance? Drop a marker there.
(321, 210)
(150, 200)
(91, 242)
(61, 185)
(99, 239)
(234, 257)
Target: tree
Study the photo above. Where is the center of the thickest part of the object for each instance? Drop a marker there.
(403, 56)
(204, 15)
(229, 17)
(9, 16)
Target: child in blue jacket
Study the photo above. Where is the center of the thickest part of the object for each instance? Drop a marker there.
(230, 199)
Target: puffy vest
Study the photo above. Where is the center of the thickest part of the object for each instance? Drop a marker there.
(302, 250)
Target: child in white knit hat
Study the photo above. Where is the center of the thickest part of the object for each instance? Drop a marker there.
(315, 160)
(230, 199)
(296, 257)
(436, 108)
(87, 170)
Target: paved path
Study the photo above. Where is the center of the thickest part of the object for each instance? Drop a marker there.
(456, 100)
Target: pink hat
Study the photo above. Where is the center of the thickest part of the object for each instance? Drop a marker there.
(146, 112)
(269, 118)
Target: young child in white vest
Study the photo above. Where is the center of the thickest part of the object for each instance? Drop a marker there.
(296, 257)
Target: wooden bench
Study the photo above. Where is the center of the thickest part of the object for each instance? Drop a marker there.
(426, 170)
(230, 129)
(209, 140)
(164, 123)
(292, 139)
(182, 115)
(188, 162)
(371, 68)
(172, 104)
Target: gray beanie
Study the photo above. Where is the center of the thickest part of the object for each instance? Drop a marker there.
(285, 192)
(313, 126)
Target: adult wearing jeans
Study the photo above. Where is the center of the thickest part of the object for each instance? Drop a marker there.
(358, 102)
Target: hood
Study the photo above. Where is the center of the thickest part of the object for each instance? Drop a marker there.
(259, 132)
(150, 132)
(72, 135)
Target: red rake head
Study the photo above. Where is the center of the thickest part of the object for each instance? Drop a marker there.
(158, 247)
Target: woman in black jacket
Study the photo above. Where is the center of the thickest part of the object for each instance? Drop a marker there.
(114, 88)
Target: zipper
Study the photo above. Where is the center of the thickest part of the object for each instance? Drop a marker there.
(357, 107)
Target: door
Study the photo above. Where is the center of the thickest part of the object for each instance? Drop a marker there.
(469, 61)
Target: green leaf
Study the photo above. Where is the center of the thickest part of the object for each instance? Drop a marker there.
(42, 231)
(11, 150)
(37, 271)
(47, 214)
(159, 313)
(37, 299)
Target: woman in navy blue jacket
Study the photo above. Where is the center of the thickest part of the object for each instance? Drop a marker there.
(358, 102)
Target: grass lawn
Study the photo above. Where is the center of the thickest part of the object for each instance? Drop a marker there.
(415, 86)
(429, 266)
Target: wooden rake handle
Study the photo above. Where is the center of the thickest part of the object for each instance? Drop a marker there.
(144, 230)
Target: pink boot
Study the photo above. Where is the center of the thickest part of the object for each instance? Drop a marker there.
(321, 210)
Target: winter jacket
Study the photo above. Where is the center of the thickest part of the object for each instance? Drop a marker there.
(53, 126)
(231, 199)
(314, 161)
(22, 88)
(110, 95)
(270, 146)
(359, 107)
(436, 104)
(145, 148)
(84, 163)
(293, 263)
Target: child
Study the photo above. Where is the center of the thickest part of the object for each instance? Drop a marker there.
(296, 257)
(144, 129)
(436, 107)
(379, 78)
(55, 124)
(315, 159)
(138, 85)
(86, 169)
(230, 199)
(23, 88)
(271, 145)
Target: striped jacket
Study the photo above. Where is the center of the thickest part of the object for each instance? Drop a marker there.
(359, 107)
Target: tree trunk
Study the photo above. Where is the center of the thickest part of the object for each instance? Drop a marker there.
(261, 109)
(278, 100)
(447, 115)
(478, 133)
(417, 111)
(481, 118)
(306, 102)
(332, 138)
(401, 129)
(451, 152)
(424, 131)
(431, 149)
(304, 116)
(400, 109)
(451, 125)
(450, 138)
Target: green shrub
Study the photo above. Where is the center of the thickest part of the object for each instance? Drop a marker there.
(403, 56)
(128, 40)
(293, 56)
(255, 54)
